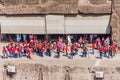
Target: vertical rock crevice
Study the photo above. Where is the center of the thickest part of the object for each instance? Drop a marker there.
(40, 75)
(67, 75)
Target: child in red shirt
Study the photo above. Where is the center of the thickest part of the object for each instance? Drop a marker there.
(71, 53)
(67, 50)
(113, 49)
(58, 52)
(93, 47)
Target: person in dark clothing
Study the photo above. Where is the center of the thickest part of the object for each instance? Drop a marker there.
(84, 53)
(101, 52)
(48, 51)
(71, 53)
(58, 52)
(110, 52)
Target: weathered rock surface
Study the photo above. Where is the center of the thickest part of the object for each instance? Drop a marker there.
(116, 1)
(115, 22)
(95, 9)
(30, 71)
(54, 6)
(98, 1)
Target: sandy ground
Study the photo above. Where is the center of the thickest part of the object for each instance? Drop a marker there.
(77, 61)
(91, 60)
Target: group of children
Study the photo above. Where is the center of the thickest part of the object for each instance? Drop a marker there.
(105, 49)
(42, 48)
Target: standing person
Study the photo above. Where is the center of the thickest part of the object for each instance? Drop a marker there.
(59, 39)
(1, 37)
(103, 41)
(86, 45)
(30, 53)
(4, 52)
(7, 49)
(72, 38)
(86, 36)
(25, 45)
(35, 37)
(75, 47)
(18, 37)
(95, 36)
(54, 46)
(71, 53)
(67, 50)
(39, 49)
(20, 51)
(58, 52)
(101, 52)
(113, 49)
(12, 51)
(91, 38)
(16, 51)
(31, 37)
(110, 52)
(80, 41)
(24, 37)
(105, 51)
(27, 51)
(98, 43)
(42, 51)
(48, 50)
(84, 53)
(69, 40)
(64, 47)
(93, 48)
(61, 46)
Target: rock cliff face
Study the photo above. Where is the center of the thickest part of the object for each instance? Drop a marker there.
(112, 7)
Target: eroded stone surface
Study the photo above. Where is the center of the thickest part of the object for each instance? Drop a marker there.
(53, 6)
(33, 71)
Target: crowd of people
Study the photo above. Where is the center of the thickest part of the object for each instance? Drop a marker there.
(58, 47)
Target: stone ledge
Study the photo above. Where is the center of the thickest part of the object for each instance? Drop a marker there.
(60, 9)
(94, 9)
